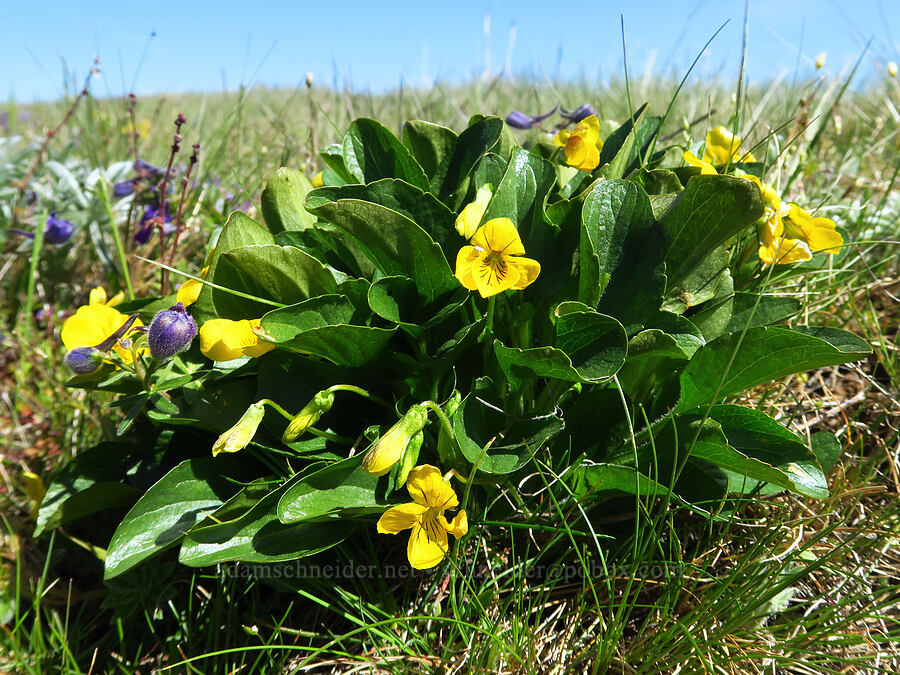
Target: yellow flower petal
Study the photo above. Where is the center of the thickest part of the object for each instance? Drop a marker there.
(528, 270)
(819, 233)
(399, 518)
(317, 180)
(465, 261)
(722, 147)
(494, 273)
(92, 324)
(706, 169)
(427, 487)
(459, 525)
(225, 340)
(500, 235)
(470, 218)
(426, 548)
(562, 137)
(583, 144)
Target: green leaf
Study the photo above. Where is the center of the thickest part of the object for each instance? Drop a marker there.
(342, 487)
(710, 276)
(594, 479)
(595, 343)
(371, 153)
(282, 201)
(93, 481)
(765, 354)
(710, 211)
(771, 309)
(714, 316)
(623, 149)
(522, 364)
(520, 194)
(392, 298)
(479, 423)
(471, 145)
(239, 231)
(320, 327)
(169, 509)
(333, 156)
(431, 145)
(611, 210)
(258, 536)
(394, 244)
(754, 445)
(827, 449)
(423, 208)
(283, 274)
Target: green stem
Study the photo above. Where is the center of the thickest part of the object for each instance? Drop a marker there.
(361, 392)
(269, 402)
(442, 416)
(117, 240)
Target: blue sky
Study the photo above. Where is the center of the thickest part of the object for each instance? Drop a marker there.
(208, 46)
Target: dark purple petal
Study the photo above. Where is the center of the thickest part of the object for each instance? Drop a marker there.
(519, 120)
(124, 188)
(58, 230)
(171, 331)
(582, 111)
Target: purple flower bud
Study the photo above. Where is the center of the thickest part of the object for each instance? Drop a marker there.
(519, 120)
(582, 111)
(146, 168)
(83, 360)
(171, 331)
(57, 230)
(124, 188)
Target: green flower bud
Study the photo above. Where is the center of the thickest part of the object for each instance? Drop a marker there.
(410, 457)
(391, 446)
(307, 417)
(238, 436)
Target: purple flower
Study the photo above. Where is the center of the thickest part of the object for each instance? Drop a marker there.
(171, 331)
(57, 230)
(124, 188)
(519, 120)
(149, 220)
(582, 111)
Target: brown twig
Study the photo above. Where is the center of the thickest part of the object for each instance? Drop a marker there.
(195, 157)
(161, 216)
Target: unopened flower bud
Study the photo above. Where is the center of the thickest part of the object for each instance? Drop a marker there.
(892, 69)
(410, 457)
(820, 60)
(390, 447)
(519, 120)
(309, 80)
(307, 417)
(470, 217)
(83, 360)
(238, 436)
(171, 331)
(582, 111)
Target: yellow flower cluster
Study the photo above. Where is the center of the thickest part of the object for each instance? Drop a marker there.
(787, 233)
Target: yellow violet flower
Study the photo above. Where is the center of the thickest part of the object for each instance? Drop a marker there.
(493, 263)
(723, 147)
(776, 249)
(98, 297)
(432, 495)
(239, 436)
(226, 340)
(390, 448)
(820, 234)
(91, 324)
(582, 144)
(470, 217)
(35, 489)
(189, 291)
(706, 169)
(318, 180)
